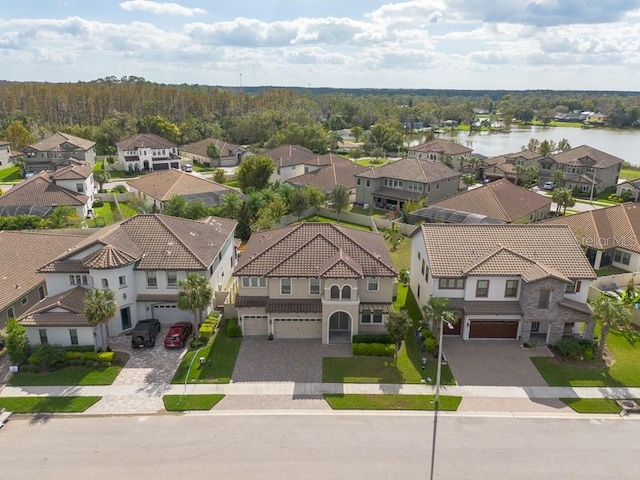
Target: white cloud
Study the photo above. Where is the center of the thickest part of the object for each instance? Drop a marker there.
(161, 8)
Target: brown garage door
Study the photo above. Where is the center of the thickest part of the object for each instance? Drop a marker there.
(493, 329)
(453, 331)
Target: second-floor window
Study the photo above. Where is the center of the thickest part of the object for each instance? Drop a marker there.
(285, 286)
(105, 283)
(621, 257)
(511, 288)
(451, 283)
(78, 279)
(335, 291)
(346, 292)
(80, 187)
(573, 287)
(373, 284)
(172, 279)
(544, 300)
(314, 286)
(152, 280)
(393, 183)
(122, 281)
(482, 288)
(254, 282)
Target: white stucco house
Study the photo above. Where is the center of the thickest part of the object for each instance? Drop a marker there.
(147, 152)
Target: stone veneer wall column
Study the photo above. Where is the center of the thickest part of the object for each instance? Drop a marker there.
(525, 333)
(589, 329)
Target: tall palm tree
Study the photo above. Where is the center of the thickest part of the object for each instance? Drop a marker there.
(62, 216)
(101, 176)
(194, 296)
(176, 206)
(437, 311)
(99, 307)
(231, 203)
(611, 313)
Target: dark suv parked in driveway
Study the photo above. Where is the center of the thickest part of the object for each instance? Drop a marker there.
(144, 333)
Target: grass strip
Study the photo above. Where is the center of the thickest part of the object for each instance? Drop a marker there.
(391, 402)
(181, 403)
(47, 404)
(69, 376)
(592, 405)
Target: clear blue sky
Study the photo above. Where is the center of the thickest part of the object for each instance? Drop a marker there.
(462, 44)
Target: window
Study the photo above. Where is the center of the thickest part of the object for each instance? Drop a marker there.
(371, 317)
(285, 286)
(335, 291)
(41, 292)
(419, 255)
(80, 187)
(358, 181)
(172, 279)
(73, 335)
(573, 287)
(426, 274)
(314, 286)
(535, 326)
(451, 283)
(24, 300)
(105, 283)
(346, 292)
(152, 281)
(511, 289)
(78, 279)
(254, 282)
(372, 284)
(543, 301)
(10, 313)
(621, 257)
(482, 288)
(368, 182)
(43, 336)
(122, 281)
(422, 269)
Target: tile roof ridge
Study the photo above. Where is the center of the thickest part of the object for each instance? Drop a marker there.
(424, 175)
(161, 218)
(498, 248)
(302, 245)
(499, 203)
(377, 257)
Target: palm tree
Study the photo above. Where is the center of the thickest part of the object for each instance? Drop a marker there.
(557, 177)
(611, 313)
(176, 206)
(195, 295)
(231, 203)
(99, 307)
(102, 177)
(62, 216)
(437, 311)
(519, 170)
(468, 179)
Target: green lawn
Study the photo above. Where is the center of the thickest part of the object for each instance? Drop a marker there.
(558, 124)
(180, 403)
(367, 163)
(390, 402)
(592, 405)
(625, 347)
(117, 174)
(629, 174)
(220, 359)
(11, 174)
(106, 214)
(319, 219)
(68, 376)
(127, 211)
(47, 404)
(402, 256)
(610, 270)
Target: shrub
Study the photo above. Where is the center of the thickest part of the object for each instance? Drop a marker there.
(233, 329)
(372, 338)
(18, 346)
(576, 349)
(205, 331)
(373, 349)
(47, 356)
(88, 357)
(430, 344)
(97, 203)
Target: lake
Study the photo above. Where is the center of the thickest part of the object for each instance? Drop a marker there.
(624, 144)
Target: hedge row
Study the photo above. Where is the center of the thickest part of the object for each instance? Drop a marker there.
(372, 338)
(374, 349)
(92, 356)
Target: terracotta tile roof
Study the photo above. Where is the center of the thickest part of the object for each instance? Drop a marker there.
(491, 308)
(444, 147)
(454, 249)
(108, 257)
(164, 184)
(200, 148)
(41, 191)
(65, 266)
(54, 319)
(144, 140)
(71, 300)
(412, 169)
(339, 172)
(604, 228)
(21, 255)
(288, 155)
(73, 171)
(160, 242)
(585, 156)
(501, 200)
(295, 305)
(340, 266)
(251, 302)
(302, 250)
(55, 142)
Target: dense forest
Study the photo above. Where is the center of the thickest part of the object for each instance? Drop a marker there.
(111, 109)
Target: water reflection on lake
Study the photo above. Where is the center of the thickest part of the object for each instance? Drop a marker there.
(621, 143)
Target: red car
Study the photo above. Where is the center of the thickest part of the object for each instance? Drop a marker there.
(178, 335)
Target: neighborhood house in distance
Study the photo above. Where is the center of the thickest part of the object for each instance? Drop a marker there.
(147, 152)
(315, 280)
(58, 150)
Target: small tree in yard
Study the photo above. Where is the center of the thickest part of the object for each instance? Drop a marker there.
(299, 202)
(339, 199)
(194, 296)
(213, 151)
(437, 312)
(611, 313)
(315, 197)
(102, 177)
(17, 342)
(219, 176)
(99, 306)
(398, 325)
(394, 236)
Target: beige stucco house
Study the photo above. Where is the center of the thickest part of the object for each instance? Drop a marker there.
(56, 151)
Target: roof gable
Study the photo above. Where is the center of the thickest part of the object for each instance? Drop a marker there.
(412, 169)
(444, 147)
(41, 191)
(586, 156)
(144, 140)
(164, 184)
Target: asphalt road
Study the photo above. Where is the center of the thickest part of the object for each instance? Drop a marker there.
(302, 446)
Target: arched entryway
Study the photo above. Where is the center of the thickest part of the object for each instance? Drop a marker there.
(340, 327)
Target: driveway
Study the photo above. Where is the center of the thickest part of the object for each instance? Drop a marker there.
(300, 361)
(493, 362)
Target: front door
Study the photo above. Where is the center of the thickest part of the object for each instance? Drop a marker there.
(125, 317)
(339, 322)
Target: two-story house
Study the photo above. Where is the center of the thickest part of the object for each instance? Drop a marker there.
(411, 178)
(142, 259)
(289, 160)
(147, 152)
(510, 166)
(56, 151)
(230, 153)
(70, 185)
(442, 150)
(585, 168)
(526, 282)
(315, 280)
(326, 172)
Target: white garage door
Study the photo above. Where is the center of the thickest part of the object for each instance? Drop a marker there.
(298, 328)
(255, 325)
(169, 313)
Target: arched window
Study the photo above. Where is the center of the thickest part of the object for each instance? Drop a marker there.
(346, 292)
(335, 291)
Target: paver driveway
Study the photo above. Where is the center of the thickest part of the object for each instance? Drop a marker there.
(493, 362)
(262, 360)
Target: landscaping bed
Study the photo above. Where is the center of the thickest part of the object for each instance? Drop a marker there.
(391, 402)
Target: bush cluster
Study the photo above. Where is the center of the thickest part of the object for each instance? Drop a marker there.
(372, 338)
(51, 357)
(426, 340)
(373, 349)
(97, 203)
(576, 349)
(233, 329)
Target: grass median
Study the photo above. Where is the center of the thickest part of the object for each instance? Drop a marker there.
(391, 402)
(181, 403)
(592, 405)
(71, 376)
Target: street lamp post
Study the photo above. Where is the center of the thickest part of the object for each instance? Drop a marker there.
(436, 402)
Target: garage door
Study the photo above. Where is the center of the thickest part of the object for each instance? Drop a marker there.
(493, 329)
(161, 166)
(255, 325)
(169, 313)
(298, 328)
(453, 331)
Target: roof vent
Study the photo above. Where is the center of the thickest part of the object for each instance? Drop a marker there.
(192, 234)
